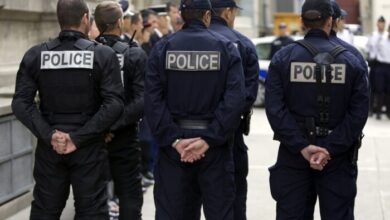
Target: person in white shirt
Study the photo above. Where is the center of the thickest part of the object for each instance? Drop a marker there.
(382, 81)
(343, 32)
(372, 48)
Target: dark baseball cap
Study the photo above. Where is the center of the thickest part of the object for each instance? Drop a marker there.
(224, 4)
(337, 11)
(124, 5)
(313, 10)
(195, 4)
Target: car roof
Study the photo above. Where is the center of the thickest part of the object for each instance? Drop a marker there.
(269, 39)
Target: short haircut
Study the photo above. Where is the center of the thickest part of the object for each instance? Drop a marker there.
(191, 14)
(169, 5)
(136, 18)
(106, 15)
(314, 24)
(70, 12)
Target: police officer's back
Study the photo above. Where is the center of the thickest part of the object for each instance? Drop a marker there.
(80, 97)
(123, 147)
(222, 22)
(317, 108)
(194, 91)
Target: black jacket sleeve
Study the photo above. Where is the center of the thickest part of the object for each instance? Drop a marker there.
(160, 121)
(282, 122)
(227, 115)
(111, 90)
(343, 136)
(134, 88)
(23, 104)
(251, 72)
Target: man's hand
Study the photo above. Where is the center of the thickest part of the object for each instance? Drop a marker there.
(58, 141)
(318, 157)
(195, 151)
(62, 143)
(183, 143)
(108, 138)
(319, 160)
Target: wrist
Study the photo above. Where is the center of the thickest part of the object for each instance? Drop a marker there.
(175, 142)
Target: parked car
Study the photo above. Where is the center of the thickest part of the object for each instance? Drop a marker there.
(263, 48)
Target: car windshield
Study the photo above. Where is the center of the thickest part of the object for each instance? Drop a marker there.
(263, 50)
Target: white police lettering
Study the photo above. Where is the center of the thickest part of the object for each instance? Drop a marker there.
(121, 59)
(193, 60)
(67, 59)
(305, 72)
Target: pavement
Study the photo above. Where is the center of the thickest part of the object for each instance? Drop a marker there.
(373, 199)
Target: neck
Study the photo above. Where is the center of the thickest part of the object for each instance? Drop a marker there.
(115, 32)
(78, 29)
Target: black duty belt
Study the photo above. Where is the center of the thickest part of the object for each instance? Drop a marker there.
(322, 132)
(193, 124)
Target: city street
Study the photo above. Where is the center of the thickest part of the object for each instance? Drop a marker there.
(373, 200)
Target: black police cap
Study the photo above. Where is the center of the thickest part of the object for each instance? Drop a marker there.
(195, 4)
(313, 10)
(224, 4)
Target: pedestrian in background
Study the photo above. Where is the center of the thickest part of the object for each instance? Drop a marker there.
(383, 72)
(376, 79)
(281, 41)
(80, 95)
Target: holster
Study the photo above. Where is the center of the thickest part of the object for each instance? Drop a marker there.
(246, 122)
(355, 152)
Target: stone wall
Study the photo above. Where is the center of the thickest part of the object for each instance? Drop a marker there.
(24, 23)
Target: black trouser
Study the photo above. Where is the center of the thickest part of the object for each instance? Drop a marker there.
(124, 156)
(181, 188)
(292, 185)
(240, 155)
(86, 170)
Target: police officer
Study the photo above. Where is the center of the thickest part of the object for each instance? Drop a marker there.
(123, 149)
(80, 97)
(383, 71)
(281, 41)
(317, 106)
(337, 25)
(337, 17)
(223, 22)
(193, 97)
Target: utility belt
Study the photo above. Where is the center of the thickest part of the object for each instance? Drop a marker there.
(67, 118)
(192, 124)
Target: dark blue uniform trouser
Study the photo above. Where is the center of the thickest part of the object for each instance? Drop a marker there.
(240, 155)
(382, 84)
(124, 156)
(292, 185)
(86, 170)
(181, 188)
